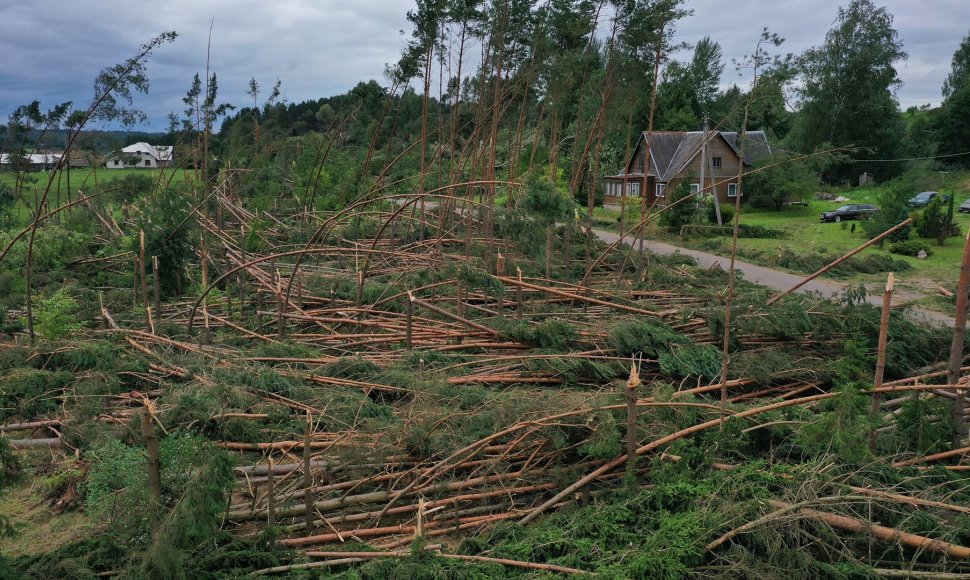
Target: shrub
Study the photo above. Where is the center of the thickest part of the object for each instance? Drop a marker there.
(936, 221)
(910, 248)
(727, 213)
(684, 213)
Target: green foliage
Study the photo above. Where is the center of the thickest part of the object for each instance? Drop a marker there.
(788, 321)
(756, 231)
(10, 471)
(691, 360)
(194, 520)
(604, 441)
(545, 202)
(956, 108)
(844, 109)
(551, 334)
(575, 370)
(910, 248)
(29, 393)
(117, 491)
(653, 533)
(843, 424)
(727, 214)
(127, 189)
(911, 345)
(893, 209)
(168, 224)
(924, 425)
(355, 368)
(474, 277)
(774, 184)
(56, 315)
(684, 213)
(869, 263)
(650, 337)
(936, 220)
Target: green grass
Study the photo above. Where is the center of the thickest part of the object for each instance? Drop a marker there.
(805, 233)
(81, 180)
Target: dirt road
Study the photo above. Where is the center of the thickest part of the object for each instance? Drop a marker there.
(777, 279)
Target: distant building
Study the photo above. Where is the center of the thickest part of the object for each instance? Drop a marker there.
(33, 161)
(141, 155)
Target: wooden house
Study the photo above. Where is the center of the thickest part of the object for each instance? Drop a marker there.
(676, 156)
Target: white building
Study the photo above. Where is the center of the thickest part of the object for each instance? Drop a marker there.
(34, 161)
(141, 155)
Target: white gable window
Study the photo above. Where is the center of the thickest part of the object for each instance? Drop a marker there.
(660, 189)
(695, 187)
(732, 190)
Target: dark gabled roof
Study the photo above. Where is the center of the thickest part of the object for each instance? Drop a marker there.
(756, 145)
(688, 148)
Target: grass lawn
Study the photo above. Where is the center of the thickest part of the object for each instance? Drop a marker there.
(805, 233)
(81, 180)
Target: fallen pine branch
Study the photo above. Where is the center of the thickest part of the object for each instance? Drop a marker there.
(884, 533)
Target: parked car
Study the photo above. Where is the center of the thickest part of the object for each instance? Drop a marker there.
(850, 212)
(965, 206)
(924, 198)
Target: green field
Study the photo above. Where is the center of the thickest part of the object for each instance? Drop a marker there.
(84, 180)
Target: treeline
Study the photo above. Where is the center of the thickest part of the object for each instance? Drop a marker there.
(510, 87)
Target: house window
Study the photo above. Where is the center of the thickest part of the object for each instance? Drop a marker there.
(716, 161)
(732, 190)
(148, 162)
(117, 162)
(641, 162)
(695, 187)
(633, 189)
(660, 189)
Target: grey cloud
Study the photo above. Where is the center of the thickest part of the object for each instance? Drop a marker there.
(322, 47)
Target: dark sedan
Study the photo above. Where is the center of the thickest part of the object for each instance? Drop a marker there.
(924, 198)
(850, 212)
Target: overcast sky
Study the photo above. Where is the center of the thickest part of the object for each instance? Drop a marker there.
(53, 49)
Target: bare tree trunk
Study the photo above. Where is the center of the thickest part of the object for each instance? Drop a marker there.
(956, 346)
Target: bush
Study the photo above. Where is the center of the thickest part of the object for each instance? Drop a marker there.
(936, 221)
(727, 213)
(910, 248)
(684, 213)
(56, 315)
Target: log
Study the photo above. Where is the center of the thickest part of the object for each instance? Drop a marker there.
(589, 299)
(29, 443)
(914, 501)
(354, 557)
(934, 457)
(883, 533)
(29, 425)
